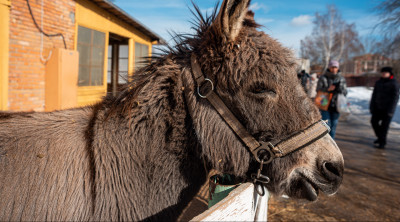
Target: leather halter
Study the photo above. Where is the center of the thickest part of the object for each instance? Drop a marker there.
(263, 152)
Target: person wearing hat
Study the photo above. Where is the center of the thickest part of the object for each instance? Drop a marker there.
(331, 81)
(383, 105)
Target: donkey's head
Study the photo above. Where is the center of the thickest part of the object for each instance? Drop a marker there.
(256, 79)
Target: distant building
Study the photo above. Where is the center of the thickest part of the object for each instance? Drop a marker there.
(103, 45)
(364, 70)
(365, 64)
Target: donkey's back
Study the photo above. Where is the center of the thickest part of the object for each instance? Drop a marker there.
(45, 166)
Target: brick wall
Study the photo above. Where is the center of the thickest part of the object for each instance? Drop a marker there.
(26, 70)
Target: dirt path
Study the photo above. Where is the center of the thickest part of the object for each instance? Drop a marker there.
(370, 189)
(371, 184)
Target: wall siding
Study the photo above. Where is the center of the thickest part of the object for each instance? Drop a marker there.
(26, 78)
(26, 70)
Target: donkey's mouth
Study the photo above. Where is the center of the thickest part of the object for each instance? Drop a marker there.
(310, 190)
(303, 188)
(306, 184)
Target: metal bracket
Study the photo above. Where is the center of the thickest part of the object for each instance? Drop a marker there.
(263, 153)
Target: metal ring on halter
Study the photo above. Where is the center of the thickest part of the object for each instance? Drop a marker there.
(208, 93)
(264, 152)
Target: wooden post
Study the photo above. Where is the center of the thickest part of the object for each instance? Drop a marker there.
(242, 204)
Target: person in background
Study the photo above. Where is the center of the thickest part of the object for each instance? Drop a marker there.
(383, 105)
(312, 91)
(304, 80)
(331, 81)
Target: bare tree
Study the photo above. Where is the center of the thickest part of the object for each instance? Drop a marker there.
(332, 38)
(370, 45)
(389, 26)
(324, 32)
(389, 14)
(348, 42)
(309, 49)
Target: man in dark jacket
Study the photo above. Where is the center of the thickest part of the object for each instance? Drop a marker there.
(383, 105)
(331, 81)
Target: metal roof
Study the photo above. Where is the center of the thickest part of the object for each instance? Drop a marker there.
(121, 14)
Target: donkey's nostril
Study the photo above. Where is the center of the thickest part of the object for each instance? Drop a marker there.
(332, 171)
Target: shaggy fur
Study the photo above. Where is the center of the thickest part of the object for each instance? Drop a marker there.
(139, 156)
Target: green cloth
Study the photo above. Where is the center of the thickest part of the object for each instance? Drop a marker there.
(220, 186)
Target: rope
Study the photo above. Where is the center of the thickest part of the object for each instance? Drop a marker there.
(41, 38)
(41, 30)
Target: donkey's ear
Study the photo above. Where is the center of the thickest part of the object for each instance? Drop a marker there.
(230, 18)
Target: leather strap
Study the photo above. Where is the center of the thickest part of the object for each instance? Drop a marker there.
(262, 151)
(221, 108)
(302, 138)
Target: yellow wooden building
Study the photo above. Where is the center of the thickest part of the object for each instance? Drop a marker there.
(4, 32)
(101, 46)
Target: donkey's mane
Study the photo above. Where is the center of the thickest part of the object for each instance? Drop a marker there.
(184, 45)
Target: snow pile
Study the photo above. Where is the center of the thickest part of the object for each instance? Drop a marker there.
(359, 99)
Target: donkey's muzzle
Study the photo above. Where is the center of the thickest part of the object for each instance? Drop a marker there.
(333, 172)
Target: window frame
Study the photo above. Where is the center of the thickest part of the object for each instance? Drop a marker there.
(139, 59)
(90, 65)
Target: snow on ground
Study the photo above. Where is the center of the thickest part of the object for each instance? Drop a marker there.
(359, 98)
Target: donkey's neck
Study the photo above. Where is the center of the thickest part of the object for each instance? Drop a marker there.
(148, 154)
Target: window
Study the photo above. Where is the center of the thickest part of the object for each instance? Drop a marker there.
(109, 64)
(141, 52)
(91, 48)
(117, 73)
(123, 54)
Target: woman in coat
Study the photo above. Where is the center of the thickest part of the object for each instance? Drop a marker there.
(331, 81)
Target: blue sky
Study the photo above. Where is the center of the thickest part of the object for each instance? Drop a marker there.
(289, 21)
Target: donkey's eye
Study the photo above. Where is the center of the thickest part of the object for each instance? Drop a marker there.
(260, 89)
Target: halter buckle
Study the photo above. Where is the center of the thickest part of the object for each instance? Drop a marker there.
(263, 154)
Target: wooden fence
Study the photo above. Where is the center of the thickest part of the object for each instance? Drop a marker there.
(242, 204)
